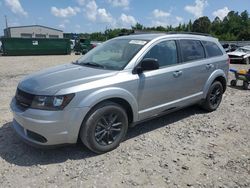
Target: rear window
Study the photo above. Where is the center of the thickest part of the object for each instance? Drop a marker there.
(212, 49)
(191, 50)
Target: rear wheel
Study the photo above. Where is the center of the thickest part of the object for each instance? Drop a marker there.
(104, 128)
(214, 97)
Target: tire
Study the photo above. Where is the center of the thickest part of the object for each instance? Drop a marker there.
(214, 97)
(104, 128)
(233, 83)
(245, 85)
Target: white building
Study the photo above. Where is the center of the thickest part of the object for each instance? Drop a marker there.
(32, 31)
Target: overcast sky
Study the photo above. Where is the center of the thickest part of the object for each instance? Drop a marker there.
(97, 15)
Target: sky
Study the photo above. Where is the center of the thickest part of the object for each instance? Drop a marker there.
(97, 15)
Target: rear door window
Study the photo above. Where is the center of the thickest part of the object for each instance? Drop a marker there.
(191, 50)
(212, 49)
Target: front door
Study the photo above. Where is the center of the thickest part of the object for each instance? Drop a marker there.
(158, 88)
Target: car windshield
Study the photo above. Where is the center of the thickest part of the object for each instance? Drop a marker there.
(113, 54)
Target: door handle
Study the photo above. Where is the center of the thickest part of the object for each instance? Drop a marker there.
(209, 66)
(177, 74)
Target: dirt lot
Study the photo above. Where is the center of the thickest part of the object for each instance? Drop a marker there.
(188, 148)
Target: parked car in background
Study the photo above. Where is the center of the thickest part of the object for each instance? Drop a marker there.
(230, 47)
(118, 84)
(72, 44)
(82, 46)
(95, 43)
(240, 55)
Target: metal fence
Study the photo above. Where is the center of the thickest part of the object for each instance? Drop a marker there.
(238, 43)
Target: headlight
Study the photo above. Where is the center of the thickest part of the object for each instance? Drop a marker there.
(51, 102)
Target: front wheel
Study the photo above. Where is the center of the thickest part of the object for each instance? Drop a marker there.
(214, 97)
(104, 128)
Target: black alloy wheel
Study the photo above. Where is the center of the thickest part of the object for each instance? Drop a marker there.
(104, 127)
(108, 128)
(214, 97)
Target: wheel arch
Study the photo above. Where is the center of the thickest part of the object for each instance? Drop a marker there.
(218, 75)
(122, 102)
(223, 81)
(116, 95)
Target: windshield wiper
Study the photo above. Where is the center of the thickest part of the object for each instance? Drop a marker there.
(92, 64)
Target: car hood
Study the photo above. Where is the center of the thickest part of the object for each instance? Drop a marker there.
(50, 81)
(237, 53)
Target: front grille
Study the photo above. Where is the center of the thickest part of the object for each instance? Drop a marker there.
(24, 99)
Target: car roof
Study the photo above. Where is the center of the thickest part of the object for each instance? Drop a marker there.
(143, 36)
(153, 36)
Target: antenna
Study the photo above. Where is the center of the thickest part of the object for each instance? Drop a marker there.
(6, 21)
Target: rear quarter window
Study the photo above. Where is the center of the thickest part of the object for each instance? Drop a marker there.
(212, 49)
(191, 50)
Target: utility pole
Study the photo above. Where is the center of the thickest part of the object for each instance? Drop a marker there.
(6, 21)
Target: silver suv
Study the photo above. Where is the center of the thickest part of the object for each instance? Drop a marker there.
(121, 82)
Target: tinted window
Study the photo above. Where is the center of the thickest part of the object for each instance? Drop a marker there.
(191, 50)
(165, 52)
(212, 49)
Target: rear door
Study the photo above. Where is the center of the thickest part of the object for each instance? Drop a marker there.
(195, 66)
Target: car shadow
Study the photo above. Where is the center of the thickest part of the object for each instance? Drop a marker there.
(239, 87)
(14, 151)
(165, 120)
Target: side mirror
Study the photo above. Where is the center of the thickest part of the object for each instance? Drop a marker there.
(146, 64)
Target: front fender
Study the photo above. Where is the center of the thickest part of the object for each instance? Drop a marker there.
(107, 93)
(217, 73)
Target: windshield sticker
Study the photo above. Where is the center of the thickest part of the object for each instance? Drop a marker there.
(139, 42)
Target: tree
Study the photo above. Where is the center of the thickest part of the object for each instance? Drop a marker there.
(244, 16)
(190, 26)
(202, 25)
(234, 26)
(216, 26)
(138, 26)
(244, 35)
(160, 28)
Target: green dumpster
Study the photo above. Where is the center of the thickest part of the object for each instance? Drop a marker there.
(35, 46)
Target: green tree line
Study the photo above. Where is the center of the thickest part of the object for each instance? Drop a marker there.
(235, 26)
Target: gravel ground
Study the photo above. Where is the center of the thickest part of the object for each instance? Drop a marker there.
(188, 148)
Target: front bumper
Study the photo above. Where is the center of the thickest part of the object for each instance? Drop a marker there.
(47, 128)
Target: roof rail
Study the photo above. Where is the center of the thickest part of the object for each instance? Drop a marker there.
(139, 32)
(190, 33)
